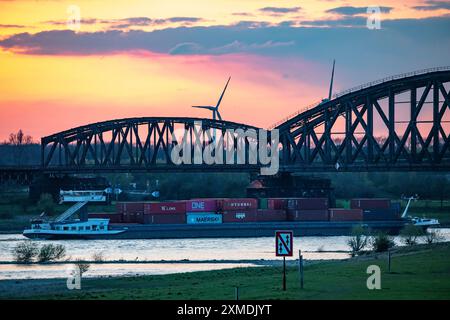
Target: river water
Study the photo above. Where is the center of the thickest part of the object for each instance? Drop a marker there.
(203, 254)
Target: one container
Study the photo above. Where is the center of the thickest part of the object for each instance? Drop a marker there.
(201, 205)
(205, 218)
(173, 218)
(113, 217)
(346, 214)
(271, 215)
(277, 203)
(307, 204)
(166, 207)
(307, 215)
(133, 217)
(129, 207)
(380, 214)
(367, 204)
(263, 203)
(239, 216)
(238, 204)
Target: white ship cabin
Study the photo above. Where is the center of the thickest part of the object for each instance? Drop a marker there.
(92, 225)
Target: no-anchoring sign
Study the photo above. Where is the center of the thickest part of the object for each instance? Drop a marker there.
(284, 243)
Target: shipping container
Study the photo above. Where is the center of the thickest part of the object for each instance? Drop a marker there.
(263, 203)
(113, 217)
(173, 218)
(396, 207)
(367, 204)
(380, 214)
(346, 214)
(307, 215)
(277, 203)
(307, 204)
(270, 215)
(239, 216)
(129, 207)
(133, 217)
(166, 207)
(238, 204)
(199, 218)
(201, 205)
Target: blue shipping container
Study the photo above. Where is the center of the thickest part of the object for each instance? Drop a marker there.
(202, 218)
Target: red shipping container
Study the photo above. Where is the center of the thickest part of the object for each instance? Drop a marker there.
(271, 215)
(129, 207)
(367, 204)
(239, 216)
(238, 204)
(346, 214)
(276, 203)
(175, 218)
(167, 207)
(201, 205)
(307, 215)
(308, 204)
(133, 217)
(113, 217)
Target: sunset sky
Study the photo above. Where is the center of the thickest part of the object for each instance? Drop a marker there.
(157, 58)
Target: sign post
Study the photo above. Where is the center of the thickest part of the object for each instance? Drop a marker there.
(284, 248)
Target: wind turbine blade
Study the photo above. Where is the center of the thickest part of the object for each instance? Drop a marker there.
(223, 92)
(218, 114)
(204, 107)
(331, 83)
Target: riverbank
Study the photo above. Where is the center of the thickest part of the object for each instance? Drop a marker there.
(418, 272)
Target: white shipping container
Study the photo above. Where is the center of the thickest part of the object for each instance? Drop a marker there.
(202, 218)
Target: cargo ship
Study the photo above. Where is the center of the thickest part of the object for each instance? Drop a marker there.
(220, 218)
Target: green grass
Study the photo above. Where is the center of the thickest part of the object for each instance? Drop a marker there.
(422, 273)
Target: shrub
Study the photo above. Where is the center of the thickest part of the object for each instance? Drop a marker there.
(50, 252)
(358, 240)
(46, 204)
(82, 266)
(433, 237)
(381, 242)
(410, 233)
(98, 257)
(25, 251)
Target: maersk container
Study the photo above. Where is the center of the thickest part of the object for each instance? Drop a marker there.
(238, 204)
(307, 215)
(201, 205)
(166, 207)
(368, 204)
(307, 204)
(239, 216)
(346, 214)
(270, 215)
(199, 218)
(173, 218)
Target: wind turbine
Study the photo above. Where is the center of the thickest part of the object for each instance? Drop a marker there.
(215, 110)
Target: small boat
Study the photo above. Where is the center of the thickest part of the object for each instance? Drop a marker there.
(424, 222)
(72, 229)
(419, 222)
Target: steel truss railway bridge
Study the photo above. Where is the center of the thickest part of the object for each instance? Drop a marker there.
(400, 123)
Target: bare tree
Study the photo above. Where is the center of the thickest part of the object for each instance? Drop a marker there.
(18, 141)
